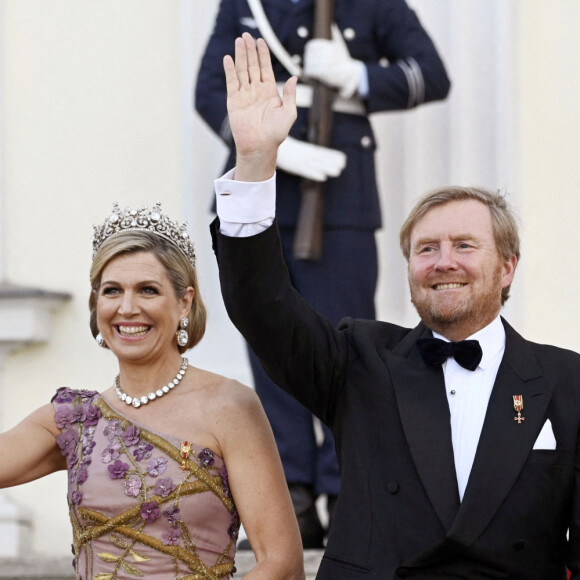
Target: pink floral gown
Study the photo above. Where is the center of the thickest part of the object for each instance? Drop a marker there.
(142, 504)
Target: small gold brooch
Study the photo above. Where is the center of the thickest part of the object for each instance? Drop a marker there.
(184, 452)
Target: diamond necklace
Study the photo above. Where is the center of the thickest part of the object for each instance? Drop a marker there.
(138, 401)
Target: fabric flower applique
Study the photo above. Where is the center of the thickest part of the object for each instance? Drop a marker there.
(88, 448)
(113, 429)
(150, 511)
(118, 469)
(82, 476)
(225, 480)
(64, 417)
(164, 487)
(88, 435)
(76, 497)
(157, 466)
(77, 414)
(67, 441)
(173, 515)
(143, 451)
(234, 527)
(131, 435)
(73, 414)
(133, 486)
(171, 536)
(64, 395)
(111, 452)
(206, 457)
(91, 415)
(71, 460)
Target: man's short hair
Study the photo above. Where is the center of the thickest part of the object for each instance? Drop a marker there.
(505, 229)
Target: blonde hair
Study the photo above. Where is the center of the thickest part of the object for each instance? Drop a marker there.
(504, 224)
(180, 271)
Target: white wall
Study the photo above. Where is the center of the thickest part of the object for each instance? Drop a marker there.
(97, 107)
(550, 169)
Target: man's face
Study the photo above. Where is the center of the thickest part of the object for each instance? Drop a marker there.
(456, 274)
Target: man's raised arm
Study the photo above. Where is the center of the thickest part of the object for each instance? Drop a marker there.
(256, 287)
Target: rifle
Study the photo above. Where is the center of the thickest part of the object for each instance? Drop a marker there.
(308, 237)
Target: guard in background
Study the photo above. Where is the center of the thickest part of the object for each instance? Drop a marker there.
(380, 58)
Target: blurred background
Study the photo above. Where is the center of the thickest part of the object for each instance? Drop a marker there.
(96, 106)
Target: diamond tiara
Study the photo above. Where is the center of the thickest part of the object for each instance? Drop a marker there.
(144, 219)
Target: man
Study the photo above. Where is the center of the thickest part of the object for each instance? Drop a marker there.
(452, 468)
(381, 59)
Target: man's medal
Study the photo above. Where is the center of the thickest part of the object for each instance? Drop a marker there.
(518, 407)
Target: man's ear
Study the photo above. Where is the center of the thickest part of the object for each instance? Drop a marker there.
(509, 269)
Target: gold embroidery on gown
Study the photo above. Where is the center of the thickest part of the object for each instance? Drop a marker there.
(138, 508)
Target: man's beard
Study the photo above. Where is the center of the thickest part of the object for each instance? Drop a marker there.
(472, 313)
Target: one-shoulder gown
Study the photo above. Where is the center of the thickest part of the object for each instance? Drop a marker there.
(142, 504)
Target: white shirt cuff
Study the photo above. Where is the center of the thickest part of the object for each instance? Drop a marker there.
(245, 208)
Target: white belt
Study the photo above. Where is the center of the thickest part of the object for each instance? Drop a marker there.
(353, 106)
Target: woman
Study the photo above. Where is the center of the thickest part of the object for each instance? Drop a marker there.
(149, 492)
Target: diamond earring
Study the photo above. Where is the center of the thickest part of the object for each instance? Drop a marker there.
(100, 340)
(182, 334)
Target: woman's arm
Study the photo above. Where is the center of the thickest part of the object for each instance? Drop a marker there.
(259, 487)
(29, 450)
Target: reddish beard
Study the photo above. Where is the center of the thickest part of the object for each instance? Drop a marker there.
(461, 318)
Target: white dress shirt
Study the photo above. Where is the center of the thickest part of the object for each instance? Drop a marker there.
(468, 394)
(246, 209)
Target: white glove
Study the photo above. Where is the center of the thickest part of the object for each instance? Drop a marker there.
(310, 161)
(330, 62)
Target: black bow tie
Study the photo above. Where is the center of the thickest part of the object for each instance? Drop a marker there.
(435, 352)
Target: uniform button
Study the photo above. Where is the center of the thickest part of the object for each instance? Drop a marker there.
(392, 487)
(366, 141)
(403, 572)
(384, 62)
(297, 58)
(519, 545)
(349, 33)
(452, 393)
(302, 31)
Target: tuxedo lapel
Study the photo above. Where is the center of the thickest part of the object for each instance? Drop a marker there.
(504, 444)
(424, 412)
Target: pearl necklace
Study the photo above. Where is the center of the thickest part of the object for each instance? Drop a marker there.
(138, 401)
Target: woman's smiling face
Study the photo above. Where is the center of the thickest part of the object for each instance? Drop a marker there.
(138, 311)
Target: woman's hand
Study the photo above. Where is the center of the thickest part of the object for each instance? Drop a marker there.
(259, 118)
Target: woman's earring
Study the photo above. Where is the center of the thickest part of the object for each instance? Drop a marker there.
(100, 340)
(182, 334)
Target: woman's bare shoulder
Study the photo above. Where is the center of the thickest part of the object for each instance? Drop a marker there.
(226, 395)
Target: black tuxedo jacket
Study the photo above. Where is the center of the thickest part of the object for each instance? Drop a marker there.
(398, 513)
